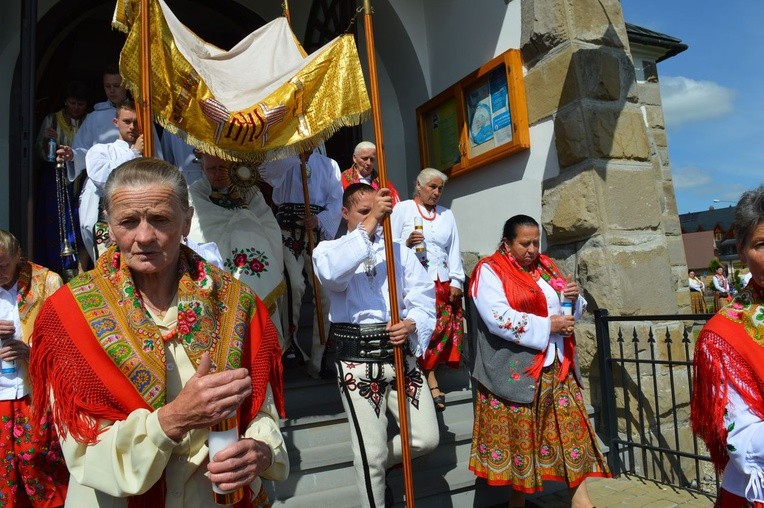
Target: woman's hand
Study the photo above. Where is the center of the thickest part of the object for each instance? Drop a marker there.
(562, 324)
(571, 288)
(400, 331)
(205, 400)
(415, 238)
(239, 464)
(455, 294)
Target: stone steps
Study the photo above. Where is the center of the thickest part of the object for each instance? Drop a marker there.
(318, 442)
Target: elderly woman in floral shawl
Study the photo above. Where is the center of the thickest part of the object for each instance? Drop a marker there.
(728, 388)
(148, 351)
(531, 424)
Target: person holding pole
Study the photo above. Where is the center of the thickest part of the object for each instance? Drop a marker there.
(325, 200)
(353, 272)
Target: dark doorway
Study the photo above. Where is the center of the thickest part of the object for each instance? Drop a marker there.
(74, 40)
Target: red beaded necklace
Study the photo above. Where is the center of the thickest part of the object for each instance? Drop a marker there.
(419, 209)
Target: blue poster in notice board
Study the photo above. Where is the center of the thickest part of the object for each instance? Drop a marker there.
(501, 118)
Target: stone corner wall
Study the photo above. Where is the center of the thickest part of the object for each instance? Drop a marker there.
(610, 215)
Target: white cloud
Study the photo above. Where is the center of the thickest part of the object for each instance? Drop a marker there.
(687, 101)
(689, 177)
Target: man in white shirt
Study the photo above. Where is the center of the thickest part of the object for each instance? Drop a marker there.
(325, 190)
(101, 160)
(98, 126)
(353, 273)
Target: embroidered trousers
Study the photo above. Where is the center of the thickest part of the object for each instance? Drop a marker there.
(368, 393)
(294, 266)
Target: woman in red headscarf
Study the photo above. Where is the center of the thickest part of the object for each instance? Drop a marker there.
(531, 423)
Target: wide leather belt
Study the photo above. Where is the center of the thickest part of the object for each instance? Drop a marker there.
(362, 343)
(290, 215)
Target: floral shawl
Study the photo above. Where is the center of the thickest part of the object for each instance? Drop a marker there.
(729, 351)
(35, 284)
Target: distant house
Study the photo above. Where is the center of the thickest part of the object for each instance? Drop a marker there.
(700, 250)
(714, 224)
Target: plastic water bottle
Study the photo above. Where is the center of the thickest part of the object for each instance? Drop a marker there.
(52, 148)
(566, 305)
(8, 368)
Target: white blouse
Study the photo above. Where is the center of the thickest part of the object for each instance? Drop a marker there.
(442, 256)
(522, 328)
(744, 473)
(13, 386)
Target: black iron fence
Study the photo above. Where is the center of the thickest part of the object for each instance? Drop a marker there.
(646, 383)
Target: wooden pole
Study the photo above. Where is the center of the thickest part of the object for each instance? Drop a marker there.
(400, 370)
(309, 232)
(145, 119)
(311, 244)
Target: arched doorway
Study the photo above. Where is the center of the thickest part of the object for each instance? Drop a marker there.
(74, 40)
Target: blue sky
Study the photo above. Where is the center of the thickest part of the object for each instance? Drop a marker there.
(713, 95)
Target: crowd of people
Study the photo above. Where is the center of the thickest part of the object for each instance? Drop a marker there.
(177, 336)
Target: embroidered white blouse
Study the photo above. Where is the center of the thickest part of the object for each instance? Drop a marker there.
(744, 473)
(522, 328)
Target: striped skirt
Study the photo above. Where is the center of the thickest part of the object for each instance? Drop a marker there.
(521, 445)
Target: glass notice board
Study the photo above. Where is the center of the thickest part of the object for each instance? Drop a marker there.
(476, 121)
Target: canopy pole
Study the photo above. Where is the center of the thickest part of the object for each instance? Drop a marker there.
(145, 117)
(400, 370)
(309, 232)
(311, 244)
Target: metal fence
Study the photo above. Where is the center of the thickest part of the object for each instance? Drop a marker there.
(646, 383)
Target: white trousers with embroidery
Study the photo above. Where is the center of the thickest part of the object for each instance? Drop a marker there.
(367, 390)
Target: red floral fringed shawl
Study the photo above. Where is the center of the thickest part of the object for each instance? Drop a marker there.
(102, 357)
(729, 352)
(524, 295)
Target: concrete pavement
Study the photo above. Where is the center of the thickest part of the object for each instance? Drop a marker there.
(628, 491)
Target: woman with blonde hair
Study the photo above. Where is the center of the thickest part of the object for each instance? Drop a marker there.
(437, 247)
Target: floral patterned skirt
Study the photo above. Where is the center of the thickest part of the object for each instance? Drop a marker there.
(521, 445)
(446, 342)
(32, 467)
